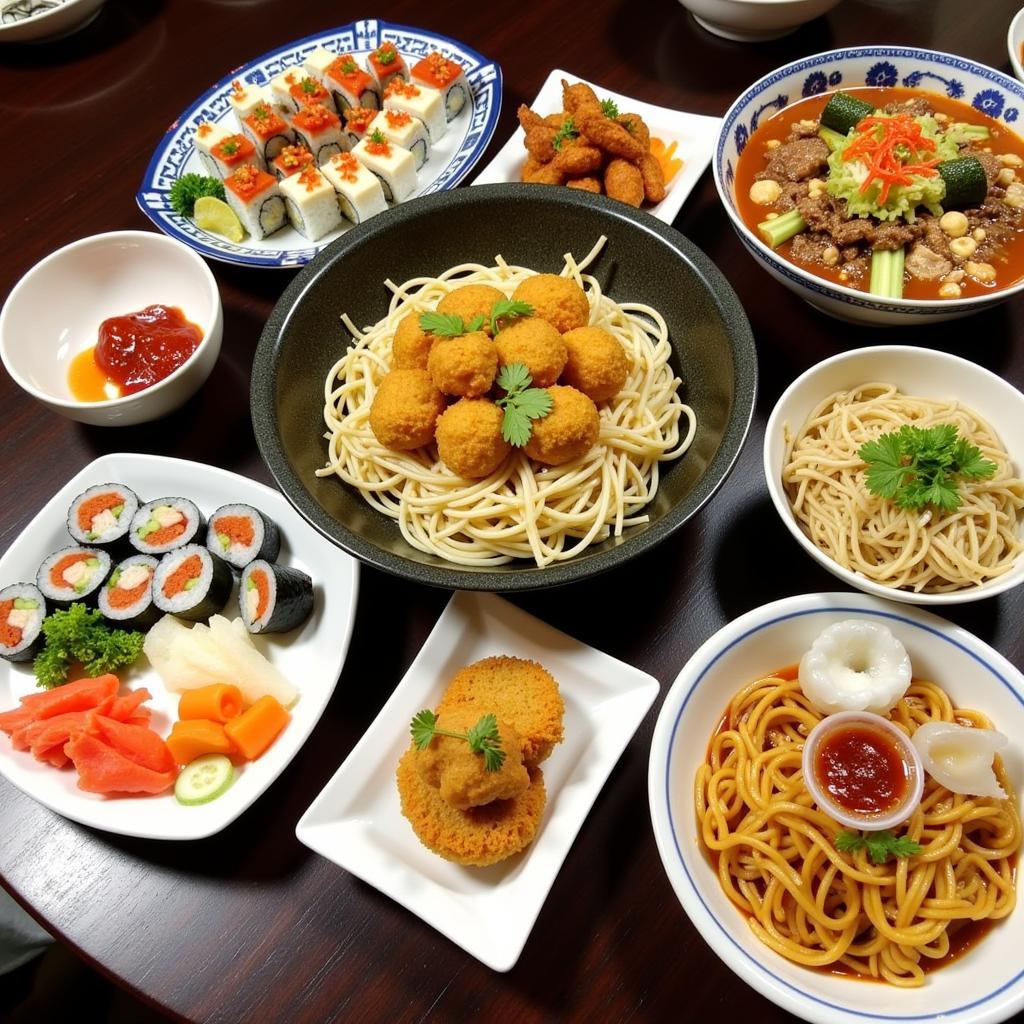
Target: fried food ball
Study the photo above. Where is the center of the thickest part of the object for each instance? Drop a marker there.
(411, 345)
(464, 365)
(469, 438)
(479, 836)
(567, 432)
(559, 300)
(536, 343)
(623, 181)
(460, 775)
(470, 301)
(405, 409)
(588, 183)
(515, 690)
(597, 363)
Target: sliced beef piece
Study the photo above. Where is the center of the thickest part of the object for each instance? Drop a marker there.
(809, 247)
(823, 213)
(926, 265)
(917, 107)
(792, 193)
(934, 237)
(895, 234)
(805, 129)
(797, 161)
(989, 163)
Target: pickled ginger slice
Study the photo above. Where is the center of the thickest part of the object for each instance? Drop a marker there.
(960, 758)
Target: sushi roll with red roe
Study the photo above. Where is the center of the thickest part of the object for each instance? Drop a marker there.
(241, 533)
(256, 198)
(127, 596)
(267, 132)
(102, 515)
(73, 574)
(445, 75)
(165, 524)
(273, 598)
(291, 160)
(385, 64)
(406, 131)
(319, 130)
(22, 610)
(192, 583)
(244, 98)
(234, 152)
(350, 85)
(357, 122)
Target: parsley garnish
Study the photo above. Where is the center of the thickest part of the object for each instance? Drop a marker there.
(482, 738)
(309, 86)
(448, 325)
(378, 136)
(919, 466)
(505, 309)
(229, 148)
(880, 845)
(385, 55)
(522, 403)
(609, 109)
(566, 130)
(190, 187)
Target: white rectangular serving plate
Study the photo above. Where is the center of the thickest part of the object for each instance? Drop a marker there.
(356, 821)
(694, 133)
(311, 657)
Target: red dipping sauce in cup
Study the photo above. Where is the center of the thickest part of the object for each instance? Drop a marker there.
(862, 769)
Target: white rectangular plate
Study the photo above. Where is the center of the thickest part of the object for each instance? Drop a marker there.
(357, 822)
(311, 656)
(694, 133)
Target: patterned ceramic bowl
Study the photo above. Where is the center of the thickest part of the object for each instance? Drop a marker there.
(983, 88)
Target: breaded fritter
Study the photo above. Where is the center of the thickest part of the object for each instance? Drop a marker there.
(597, 363)
(411, 344)
(559, 300)
(538, 136)
(588, 183)
(653, 178)
(577, 95)
(623, 181)
(568, 432)
(405, 410)
(576, 158)
(543, 174)
(635, 125)
(537, 344)
(470, 301)
(464, 365)
(469, 438)
(609, 135)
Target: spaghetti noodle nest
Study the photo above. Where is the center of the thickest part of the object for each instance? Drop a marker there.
(931, 552)
(521, 510)
(777, 859)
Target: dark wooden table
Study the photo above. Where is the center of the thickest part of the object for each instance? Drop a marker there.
(249, 925)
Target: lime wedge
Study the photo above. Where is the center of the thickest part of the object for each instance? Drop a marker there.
(214, 215)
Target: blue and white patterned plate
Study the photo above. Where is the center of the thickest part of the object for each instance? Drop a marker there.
(450, 160)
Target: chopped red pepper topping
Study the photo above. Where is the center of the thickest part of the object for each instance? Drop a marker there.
(292, 157)
(400, 87)
(890, 147)
(347, 166)
(310, 177)
(357, 118)
(316, 117)
(397, 118)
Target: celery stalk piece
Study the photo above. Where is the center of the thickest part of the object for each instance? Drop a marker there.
(887, 273)
(781, 228)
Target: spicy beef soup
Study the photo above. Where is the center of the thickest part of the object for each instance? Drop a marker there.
(884, 220)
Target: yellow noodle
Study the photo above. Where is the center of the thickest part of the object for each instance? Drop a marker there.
(777, 861)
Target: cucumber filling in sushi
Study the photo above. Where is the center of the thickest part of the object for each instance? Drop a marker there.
(273, 598)
(191, 583)
(101, 515)
(22, 610)
(165, 524)
(72, 573)
(127, 597)
(241, 533)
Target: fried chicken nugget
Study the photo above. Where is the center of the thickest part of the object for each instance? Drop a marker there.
(578, 95)
(588, 183)
(545, 174)
(539, 137)
(653, 178)
(576, 159)
(609, 135)
(635, 125)
(623, 180)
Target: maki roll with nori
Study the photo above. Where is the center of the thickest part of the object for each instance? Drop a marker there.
(164, 525)
(22, 610)
(102, 515)
(127, 597)
(73, 574)
(191, 583)
(240, 533)
(274, 599)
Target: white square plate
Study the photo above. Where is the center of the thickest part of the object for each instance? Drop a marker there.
(311, 656)
(357, 822)
(694, 133)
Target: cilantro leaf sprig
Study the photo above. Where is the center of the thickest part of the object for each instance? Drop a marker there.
(508, 309)
(919, 466)
(880, 845)
(609, 108)
(567, 131)
(449, 325)
(483, 738)
(521, 403)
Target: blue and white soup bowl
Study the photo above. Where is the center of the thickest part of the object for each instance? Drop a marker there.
(975, 84)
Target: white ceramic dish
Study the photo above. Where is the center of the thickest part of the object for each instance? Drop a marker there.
(694, 133)
(755, 20)
(29, 21)
(450, 161)
(55, 311)
(1014, 42)
(357, 823)
(915, 371)
(983, 986)
(311, 657)
(972, 83)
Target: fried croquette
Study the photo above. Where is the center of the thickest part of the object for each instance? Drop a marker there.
(515, 690)
(577, 95)
(534, 342)
(585, 184)
(542, 174)
(576, 158)
(470, 301)
(469, 438)
(464, 365)
(460, 775)
(635, 125)
(608, 135)
(568, 432)
(624, 181)
(559, 300)
(479, 836)
(597, 363)
(653, 178)
(411, 344)
(539, 137)
(405, 410)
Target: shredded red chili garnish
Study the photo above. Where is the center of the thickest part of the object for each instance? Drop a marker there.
(877, 144)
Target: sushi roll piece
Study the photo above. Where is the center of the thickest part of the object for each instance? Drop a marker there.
(445, 75)
(386, 64)
(273, 598)
(267, 131)
(357, 121)
(165, 524)
(317, 62)
(394, 166)
(420, 101)
(73, 574)
(291, 160)
(358, 190)
(192, 583)
(240, 533)
(311, 204)
(319, 130)
(127, 596)
(293, 89)
(350, 85)
(244, 99)
(102, 515)
(22, 610)
(208, 135)
(406, 131)
(256, 197)
(234, 152)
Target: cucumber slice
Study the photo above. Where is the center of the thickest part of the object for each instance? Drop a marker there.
(966, 184)
(204, 779)
(843, 112)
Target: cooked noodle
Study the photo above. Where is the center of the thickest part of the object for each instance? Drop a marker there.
(521, 511)
(815, 906)
(932, 551)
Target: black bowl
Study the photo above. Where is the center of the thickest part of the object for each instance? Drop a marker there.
(533, 226)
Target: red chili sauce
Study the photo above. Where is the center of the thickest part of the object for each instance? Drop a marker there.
(862, 769)
(139, 349)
